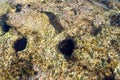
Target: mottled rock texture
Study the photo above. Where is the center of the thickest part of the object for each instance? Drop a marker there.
(59, 40)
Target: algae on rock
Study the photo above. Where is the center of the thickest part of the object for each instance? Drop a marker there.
(96, 54)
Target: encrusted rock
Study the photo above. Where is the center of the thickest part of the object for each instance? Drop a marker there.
(40, 30)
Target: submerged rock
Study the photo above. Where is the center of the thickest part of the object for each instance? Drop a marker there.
(43, 32)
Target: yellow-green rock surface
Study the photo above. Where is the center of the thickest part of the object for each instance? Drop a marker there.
(45, 24)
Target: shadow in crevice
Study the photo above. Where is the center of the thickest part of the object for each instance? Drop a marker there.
(3, 24)
(54, 21)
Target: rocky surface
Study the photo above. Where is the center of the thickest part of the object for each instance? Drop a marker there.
(60, 40)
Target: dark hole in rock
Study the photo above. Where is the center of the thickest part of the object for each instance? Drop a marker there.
(54, 21)
(115, 20)
(18, 7)
(96, 31)
(5, 26)
(20, 44)
(66, 47)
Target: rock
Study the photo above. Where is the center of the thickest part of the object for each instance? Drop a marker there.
(31, 47)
